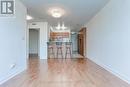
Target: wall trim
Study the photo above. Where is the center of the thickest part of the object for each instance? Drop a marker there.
(118, 75)
(11, 75)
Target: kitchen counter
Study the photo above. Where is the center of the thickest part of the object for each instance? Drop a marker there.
(58, 41)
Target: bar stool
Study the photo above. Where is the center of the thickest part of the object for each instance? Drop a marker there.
(68, 49)
(59, 49)
(50, 50)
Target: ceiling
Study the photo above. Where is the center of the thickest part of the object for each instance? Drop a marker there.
(77, 12)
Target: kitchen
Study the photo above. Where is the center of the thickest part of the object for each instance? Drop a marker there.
(59, 44)
(63, 43)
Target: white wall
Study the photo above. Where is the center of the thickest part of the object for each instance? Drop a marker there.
(109, 38)
(43, 26)
(33, 41)
(13, 43)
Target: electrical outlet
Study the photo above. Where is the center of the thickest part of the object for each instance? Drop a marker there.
(12, 66)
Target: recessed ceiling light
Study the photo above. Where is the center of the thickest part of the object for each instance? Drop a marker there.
(56, 12)
(29, 17)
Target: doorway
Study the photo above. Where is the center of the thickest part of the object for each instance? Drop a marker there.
(74, 39)
(34, 42)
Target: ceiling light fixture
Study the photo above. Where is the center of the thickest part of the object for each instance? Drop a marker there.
(58, 26)
(61, 27)
(29, 17)
(56, 12)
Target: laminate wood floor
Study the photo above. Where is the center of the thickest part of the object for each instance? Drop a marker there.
(64, 73)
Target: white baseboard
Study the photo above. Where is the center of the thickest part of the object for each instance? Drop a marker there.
(11, 75)
(111, 71)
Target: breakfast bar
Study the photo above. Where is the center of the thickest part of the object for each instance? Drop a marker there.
(59, 49)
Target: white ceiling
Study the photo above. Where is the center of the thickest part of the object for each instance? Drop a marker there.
(78, 12)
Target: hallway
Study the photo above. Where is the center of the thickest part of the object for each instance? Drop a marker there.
(64, 73)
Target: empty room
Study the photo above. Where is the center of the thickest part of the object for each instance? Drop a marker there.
(65, 43)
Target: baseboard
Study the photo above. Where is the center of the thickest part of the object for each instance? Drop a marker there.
(11, 75)
(111, 71)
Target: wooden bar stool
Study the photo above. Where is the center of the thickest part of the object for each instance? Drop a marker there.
(50, 50)
(59, 49)
(68, 49)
